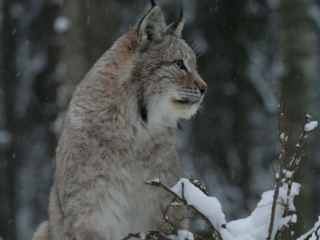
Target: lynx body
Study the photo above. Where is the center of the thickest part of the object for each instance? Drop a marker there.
(119, 133)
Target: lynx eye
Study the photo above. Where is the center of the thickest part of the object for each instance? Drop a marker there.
(181, 65)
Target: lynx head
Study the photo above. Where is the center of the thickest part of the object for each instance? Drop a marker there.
(164, 70)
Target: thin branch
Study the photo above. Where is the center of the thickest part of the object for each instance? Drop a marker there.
(166, 218)
(211, 227)
(282, 138)
(316, 232)
(292, 168)
(157, 235)
(296, 161)
(313, 232)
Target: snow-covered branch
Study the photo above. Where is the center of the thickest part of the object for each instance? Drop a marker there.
(157, 235)
(208, 208)
(313, 234)
(287, 170)
(274, 213)
(254, 227)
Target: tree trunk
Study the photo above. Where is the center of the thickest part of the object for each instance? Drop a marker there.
(29, 87)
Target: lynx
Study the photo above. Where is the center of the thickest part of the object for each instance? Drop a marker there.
(119, 132)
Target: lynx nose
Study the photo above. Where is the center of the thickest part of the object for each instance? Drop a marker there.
(202, 86)
(203, 89)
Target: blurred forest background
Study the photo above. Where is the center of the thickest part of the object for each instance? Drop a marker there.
(245, 46)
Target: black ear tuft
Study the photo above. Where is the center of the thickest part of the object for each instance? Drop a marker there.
(143, 110)
(180, 15)
(176, 28)
(153, 3)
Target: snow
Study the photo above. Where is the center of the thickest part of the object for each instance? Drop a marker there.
(176, 204)
(185, 235)
(143, 235)
(62, 24)
(283, 137)
(313, 236)
(255, 226)
(208, 206)
(288, 174)
(156, 180)
(310, 126)
(182, 235)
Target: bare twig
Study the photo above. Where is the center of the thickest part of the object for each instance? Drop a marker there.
(282, 139)
(313, 232)
(183, 200)
(288, 168)
(166, 218)
(316, 232)
(157, 235)
(286, 173)
(293, 166)
(197, 183)
(296, 160)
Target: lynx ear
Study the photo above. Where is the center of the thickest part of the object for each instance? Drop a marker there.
(176, 28)
(152, 27)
